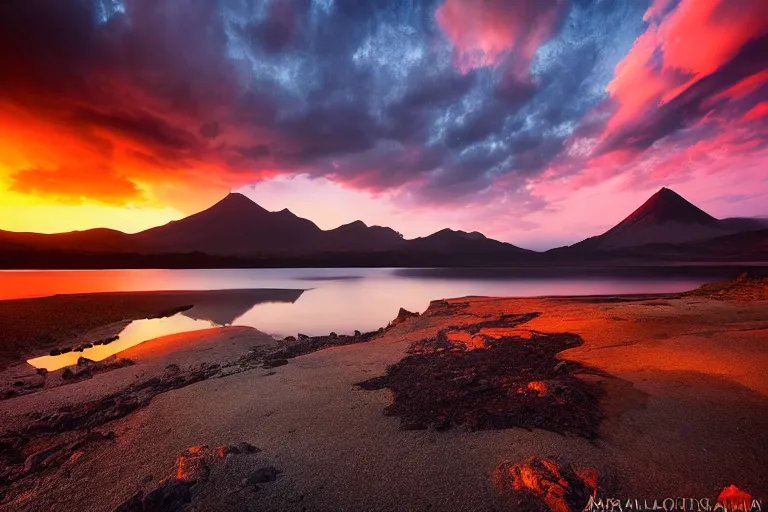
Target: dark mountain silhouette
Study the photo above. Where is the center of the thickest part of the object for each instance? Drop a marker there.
(237, 232)
(666, 218)
(739, 224)
(235, 226)
(91, 240)
(450, 241)
(357, 236)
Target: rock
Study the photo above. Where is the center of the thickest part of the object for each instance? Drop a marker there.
(170, 496)
(34, 461)
(78, 349)
(41, 371)
(65, 350)
(303, 337)
(402, 316)
(99, 342)
(381, 330)
(262, 475)
(18, 384)
(190, 469)
(55, 352)
(289, 338)
(333, 336)
(132, 504)
(274, 363)
(67, 374)
(82, 361)
(544, 481)
(358, 333)
(88, 345)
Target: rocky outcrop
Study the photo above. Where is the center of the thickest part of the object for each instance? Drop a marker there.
(402, 316)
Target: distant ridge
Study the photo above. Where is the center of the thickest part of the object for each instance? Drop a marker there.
(237, 232)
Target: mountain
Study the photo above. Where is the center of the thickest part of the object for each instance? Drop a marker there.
(358, 237)
(460, 242)
(99, 240)
(239, 229)
(237, 232)
(666, 218)
(235, 226)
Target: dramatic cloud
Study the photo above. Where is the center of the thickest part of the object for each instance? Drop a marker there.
(69, 184)
(501, 112)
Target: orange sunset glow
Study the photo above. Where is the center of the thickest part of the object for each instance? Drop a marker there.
(128, 114)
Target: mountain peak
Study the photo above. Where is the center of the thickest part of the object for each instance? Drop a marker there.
(666, 206)
(235, 202)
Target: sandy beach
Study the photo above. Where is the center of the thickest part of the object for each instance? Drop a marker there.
(642, 397)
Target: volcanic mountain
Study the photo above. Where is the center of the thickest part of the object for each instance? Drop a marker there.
(666, 218)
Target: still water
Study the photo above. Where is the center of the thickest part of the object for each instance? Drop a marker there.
(339, 300)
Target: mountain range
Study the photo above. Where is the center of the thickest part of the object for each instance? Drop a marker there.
(238, 232)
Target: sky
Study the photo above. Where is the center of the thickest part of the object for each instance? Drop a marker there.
(537, 122)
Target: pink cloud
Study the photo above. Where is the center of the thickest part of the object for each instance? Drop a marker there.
(485, 32)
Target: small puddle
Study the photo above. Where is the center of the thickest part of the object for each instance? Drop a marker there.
(134, 333)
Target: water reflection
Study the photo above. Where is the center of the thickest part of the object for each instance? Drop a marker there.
(339, 300)
(136, 332)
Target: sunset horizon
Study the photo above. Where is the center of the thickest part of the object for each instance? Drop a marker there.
(539, 124)
(383, 255)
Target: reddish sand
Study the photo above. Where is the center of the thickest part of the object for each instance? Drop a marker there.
(685, 415)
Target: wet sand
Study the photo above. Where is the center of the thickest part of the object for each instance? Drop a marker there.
(683, 402)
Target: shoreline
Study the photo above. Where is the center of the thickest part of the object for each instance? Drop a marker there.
(35, 326)
(658, 367)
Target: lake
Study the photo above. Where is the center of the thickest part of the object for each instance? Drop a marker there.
(339, 300)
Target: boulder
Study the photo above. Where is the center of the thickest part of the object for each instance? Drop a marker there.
(303, 337)
(83, 361)
(289, 338)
